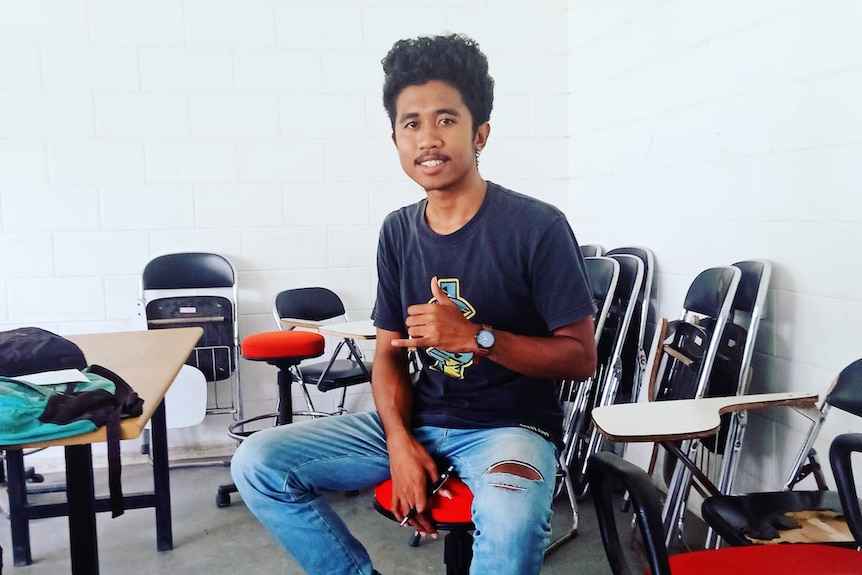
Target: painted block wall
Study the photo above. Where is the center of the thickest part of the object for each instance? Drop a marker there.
(254, 129)
(717, 132)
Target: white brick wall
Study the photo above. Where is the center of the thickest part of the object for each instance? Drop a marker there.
(713, 133)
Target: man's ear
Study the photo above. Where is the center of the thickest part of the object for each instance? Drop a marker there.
(394, 141)
(480, 140)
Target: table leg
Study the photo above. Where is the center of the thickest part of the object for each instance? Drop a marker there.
(161, 480)
(83, 546)
(18, 517)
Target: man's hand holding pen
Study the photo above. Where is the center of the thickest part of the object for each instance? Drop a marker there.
(436, 487)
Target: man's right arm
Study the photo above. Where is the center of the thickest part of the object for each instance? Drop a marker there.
(411, 467)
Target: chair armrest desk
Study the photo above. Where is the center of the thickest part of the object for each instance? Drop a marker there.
(667, 422)
(148, 361)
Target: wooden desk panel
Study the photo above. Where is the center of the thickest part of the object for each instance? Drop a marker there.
(680, 419)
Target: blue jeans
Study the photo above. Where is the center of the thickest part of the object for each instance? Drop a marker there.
(281, 473)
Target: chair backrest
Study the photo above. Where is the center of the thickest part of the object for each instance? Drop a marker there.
(602, 275)
(634, 356)
(606, 471)
(188, 270)
(645, 317)
(591, 250)
(618, 323)
(311, 303)
(705, 313)
(711, 293)
(846, 391)
(750, 300)
(843, 446)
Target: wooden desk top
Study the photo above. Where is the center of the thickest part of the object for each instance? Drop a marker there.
(148, 361)
(351, 329)
(297, 322)
(680, 419)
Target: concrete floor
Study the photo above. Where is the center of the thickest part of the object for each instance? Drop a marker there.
(209, 540)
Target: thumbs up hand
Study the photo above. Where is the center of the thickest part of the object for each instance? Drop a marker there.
(438, 324)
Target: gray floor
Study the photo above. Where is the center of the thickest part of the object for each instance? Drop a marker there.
(209, 540)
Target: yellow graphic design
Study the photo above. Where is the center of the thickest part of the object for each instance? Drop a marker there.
(452, 364)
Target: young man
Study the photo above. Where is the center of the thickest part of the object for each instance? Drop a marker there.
(488, 285)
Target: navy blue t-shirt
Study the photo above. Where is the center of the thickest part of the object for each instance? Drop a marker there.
(515, 266)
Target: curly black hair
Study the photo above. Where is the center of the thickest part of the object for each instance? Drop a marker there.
(454, 59)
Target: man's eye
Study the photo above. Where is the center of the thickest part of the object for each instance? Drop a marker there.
(446, 121)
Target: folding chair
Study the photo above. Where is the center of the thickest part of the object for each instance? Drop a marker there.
(756, 518)
(610, 343)
(602, 276)
(688, 352)
(644, 323)
(719, 455)
(199, 289)
(607, 471)
(316, 305)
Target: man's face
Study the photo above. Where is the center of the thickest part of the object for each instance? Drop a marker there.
(433, 132)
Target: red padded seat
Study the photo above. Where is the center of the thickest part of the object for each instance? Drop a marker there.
(787, 559)
(452, 515)
(277, 345)
(447, 513)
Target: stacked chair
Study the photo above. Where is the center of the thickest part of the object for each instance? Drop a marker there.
(623, 319)
(643, 325)
(687, 353)
(611, 336)
(603, 277)
(199, 289)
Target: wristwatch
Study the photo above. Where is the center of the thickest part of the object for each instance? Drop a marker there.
(485, 339)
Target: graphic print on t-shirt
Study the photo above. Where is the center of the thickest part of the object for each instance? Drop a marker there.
(452, 364)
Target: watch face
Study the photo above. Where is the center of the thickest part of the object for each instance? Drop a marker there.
(485, 338)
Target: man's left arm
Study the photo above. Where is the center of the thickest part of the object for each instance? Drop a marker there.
(570, 352)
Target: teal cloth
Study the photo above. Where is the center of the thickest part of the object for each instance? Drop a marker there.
(21, 404)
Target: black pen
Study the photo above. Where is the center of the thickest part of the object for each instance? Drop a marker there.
(435, 487)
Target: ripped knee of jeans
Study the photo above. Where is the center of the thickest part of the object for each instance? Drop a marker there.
(515, 468)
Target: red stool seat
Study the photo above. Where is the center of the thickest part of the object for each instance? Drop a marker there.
(448, 514)
(453, 515)
(282, 345)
